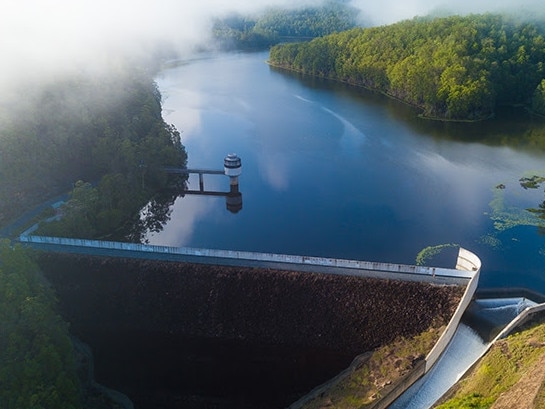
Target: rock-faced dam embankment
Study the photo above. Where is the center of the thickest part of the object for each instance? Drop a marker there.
(172, 334)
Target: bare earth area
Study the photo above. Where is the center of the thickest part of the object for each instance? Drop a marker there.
(524, 393)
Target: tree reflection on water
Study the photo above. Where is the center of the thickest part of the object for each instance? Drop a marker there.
(156, 213)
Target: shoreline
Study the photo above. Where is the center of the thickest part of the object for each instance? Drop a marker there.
(393, 97)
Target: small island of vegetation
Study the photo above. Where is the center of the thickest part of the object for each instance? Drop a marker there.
(453, 68)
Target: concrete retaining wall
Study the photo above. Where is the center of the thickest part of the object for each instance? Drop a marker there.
(471, 264)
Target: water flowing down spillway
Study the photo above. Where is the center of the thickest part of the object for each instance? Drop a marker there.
(466, 347)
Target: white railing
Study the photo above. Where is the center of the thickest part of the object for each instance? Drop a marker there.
(253, 256)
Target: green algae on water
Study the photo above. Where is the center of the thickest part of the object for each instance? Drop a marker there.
(491, 241)
(507, 217)
(428, 252)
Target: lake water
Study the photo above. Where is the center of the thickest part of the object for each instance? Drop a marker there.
(334, 171)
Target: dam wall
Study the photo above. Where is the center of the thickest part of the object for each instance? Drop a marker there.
(265, 329)
(260, 304)
(333, 306)
(466, 261)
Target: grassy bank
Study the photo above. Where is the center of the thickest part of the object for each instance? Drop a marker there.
(510, 375)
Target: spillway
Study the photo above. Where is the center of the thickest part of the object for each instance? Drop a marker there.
(483, 316)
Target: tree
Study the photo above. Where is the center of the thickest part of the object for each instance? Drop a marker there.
(454, 67)
(37, 367)
(538, 100)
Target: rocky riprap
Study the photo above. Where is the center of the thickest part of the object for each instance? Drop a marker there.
(277, 317)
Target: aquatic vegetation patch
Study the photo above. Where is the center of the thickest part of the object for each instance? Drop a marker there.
(531, 182)
(506, 217)
(428, 252)
(490, 240)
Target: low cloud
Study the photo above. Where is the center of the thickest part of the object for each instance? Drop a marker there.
(43, 35)
(390, 11)
(41, 38)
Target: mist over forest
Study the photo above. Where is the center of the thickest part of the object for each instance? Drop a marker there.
(66, 64)
(44, 39)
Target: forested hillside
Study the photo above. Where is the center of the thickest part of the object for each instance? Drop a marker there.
(280, 24)
(38, 368)
(453, 68)
(104, 129)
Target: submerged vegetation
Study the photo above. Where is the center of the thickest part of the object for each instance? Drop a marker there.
(456, 68)
(506, 217)
(424, 256)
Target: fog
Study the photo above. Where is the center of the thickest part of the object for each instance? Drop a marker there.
(41, 37)
(44, 38)
(390, 11)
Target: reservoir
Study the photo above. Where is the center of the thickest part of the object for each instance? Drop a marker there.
(335, 171)
(328, 171)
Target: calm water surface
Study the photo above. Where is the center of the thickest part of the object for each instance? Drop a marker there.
(339, 172)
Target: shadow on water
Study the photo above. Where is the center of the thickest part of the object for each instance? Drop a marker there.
(511, 126)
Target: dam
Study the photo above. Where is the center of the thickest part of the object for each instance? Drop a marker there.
(210, 328)
(224, 328)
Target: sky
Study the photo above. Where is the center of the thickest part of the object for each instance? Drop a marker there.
(48, 37)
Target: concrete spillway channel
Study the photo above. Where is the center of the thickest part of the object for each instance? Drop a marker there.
(487, 316)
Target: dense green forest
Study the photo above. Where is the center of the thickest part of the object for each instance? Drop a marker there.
(107, 130)
(459, 67)
(37, 366)
(280, 24)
